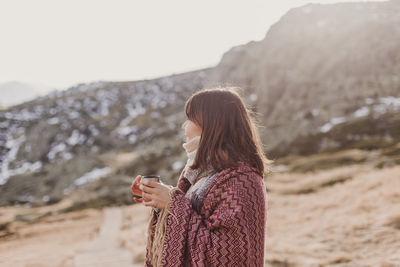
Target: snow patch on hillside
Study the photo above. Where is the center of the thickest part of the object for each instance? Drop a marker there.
(13, 145)
(377, 107)
(89, 177)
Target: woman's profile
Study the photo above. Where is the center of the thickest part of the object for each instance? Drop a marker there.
(216, 215)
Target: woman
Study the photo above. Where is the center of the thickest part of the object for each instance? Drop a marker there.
(216, 216)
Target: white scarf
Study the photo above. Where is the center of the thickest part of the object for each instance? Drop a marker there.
(191, 147)
(195, 177)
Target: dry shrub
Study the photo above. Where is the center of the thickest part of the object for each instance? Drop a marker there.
(328, 160)
(139, 256)
(340, 259)
(296, 183)
(392, 151)
(275, 262)
(394, 221)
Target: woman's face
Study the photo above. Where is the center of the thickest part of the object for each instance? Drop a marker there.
(191, 129)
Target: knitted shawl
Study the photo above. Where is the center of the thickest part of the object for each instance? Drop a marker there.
(224, 226)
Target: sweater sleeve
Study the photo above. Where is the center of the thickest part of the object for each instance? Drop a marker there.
(232, 233)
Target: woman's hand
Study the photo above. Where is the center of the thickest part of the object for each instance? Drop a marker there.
(155, 194)
(136, 190)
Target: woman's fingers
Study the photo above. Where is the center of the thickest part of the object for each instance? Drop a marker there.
(148, 203)
(137, 191)
(150, 183)
(155, 194)
(135, 186)
(146, 196)
(149, 199)
(147, 189)
(137, 180)
(138, 200)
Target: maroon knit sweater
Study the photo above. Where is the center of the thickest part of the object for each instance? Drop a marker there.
(230, 228)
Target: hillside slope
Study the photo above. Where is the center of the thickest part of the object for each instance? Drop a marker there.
(56, 144)
(318, 62)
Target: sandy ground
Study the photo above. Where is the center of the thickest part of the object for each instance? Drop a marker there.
(105, 249)
(347, 216)
(351, 218)
(51, 242)
(82, 238)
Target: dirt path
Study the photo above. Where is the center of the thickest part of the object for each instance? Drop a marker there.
(49, 242)
(105, 250)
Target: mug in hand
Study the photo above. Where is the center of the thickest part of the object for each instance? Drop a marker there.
(155, 178)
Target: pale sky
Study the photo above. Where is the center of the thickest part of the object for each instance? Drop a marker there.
(60, 43)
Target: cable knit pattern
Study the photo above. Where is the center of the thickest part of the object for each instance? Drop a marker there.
(191, 147)
(195, 176)
(230, 228)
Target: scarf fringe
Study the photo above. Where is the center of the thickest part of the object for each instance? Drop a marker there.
(156, 237)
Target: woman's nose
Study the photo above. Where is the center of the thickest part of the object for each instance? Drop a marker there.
(183, 125)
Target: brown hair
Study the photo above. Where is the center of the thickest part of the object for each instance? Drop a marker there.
(229, 134)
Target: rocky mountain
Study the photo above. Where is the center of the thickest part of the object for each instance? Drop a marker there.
(319, 66)
(324, 80)
(56, 144)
